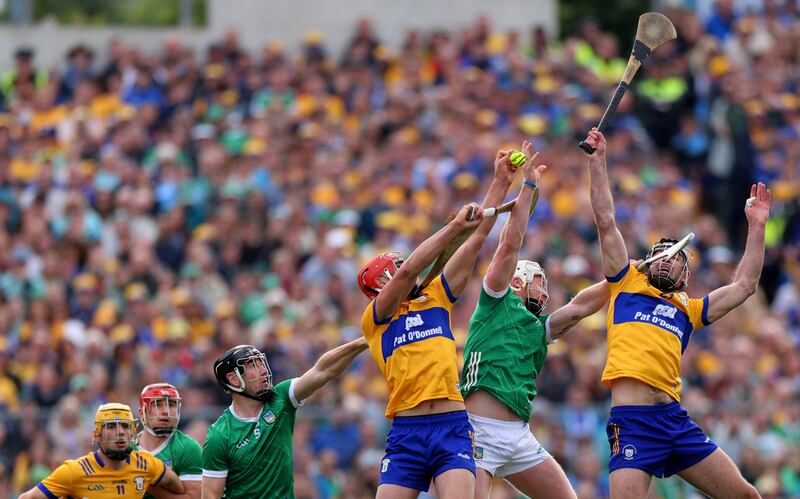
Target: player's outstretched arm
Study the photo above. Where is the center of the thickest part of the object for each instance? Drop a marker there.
(331, 365)
(615, 255)
(745, 279)
(213, 487)
(459, 268)
(585, 303)
(397, 289)
(504, 261)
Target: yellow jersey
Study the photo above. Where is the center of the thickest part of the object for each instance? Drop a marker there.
(648, 330)
(415, 349)
(89, 477)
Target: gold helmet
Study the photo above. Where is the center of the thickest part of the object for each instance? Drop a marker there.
(113, 413)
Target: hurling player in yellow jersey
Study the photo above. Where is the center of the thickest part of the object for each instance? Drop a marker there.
(113, 470)
(650, 321)
(412, 343)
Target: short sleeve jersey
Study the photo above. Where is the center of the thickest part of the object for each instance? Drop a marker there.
(648, 330)
(415, 349)
(183, 454)
(90, 477)
(254, 455)
(505, 351)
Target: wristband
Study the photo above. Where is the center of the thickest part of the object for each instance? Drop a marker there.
(528, 183)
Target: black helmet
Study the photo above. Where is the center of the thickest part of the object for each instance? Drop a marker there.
(234, 360)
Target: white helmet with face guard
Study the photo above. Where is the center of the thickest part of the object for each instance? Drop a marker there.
(524, 275)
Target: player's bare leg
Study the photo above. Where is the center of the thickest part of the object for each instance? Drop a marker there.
(483, 483)
(544, 481)
(629, 483)
(455, 484)
(717, 476)
(392, 491)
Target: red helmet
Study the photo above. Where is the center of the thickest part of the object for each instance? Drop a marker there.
(160, 392)
(383, 265)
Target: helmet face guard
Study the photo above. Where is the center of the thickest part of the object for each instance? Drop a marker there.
(377, 272)
(113, 430)
(237, 360)
(525, 276)
(668, 275)
(158, 402)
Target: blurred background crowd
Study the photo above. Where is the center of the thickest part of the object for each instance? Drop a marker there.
(159, 208)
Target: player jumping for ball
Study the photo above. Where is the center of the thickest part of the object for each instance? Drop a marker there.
(506, 348)
(650, 321)
(412, 342)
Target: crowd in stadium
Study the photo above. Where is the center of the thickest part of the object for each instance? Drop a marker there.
(157, 209)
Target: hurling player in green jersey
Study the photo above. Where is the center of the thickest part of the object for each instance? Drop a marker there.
(248, 449)
(505, 351)
(160, 413)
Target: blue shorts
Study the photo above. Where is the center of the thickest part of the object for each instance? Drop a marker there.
(420, 448)
(661, 439)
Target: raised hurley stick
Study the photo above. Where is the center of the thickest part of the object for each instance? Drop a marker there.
(653, 30)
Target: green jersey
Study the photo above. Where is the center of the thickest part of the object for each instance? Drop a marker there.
(505, 351)
(182, 453)
(254, 455)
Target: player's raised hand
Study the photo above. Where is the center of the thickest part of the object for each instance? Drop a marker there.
(503, 169)
(531, 171)
(757, 206)
(470, 215)
(598, 141)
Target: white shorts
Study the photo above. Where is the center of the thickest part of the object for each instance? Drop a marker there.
(504, 448)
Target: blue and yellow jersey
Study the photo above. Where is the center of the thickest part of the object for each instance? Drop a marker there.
(648, 330)
(415, 349)
(90, 477)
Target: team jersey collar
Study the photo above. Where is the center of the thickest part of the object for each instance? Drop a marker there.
(161, 447)
(100, 460)
(246, 420)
